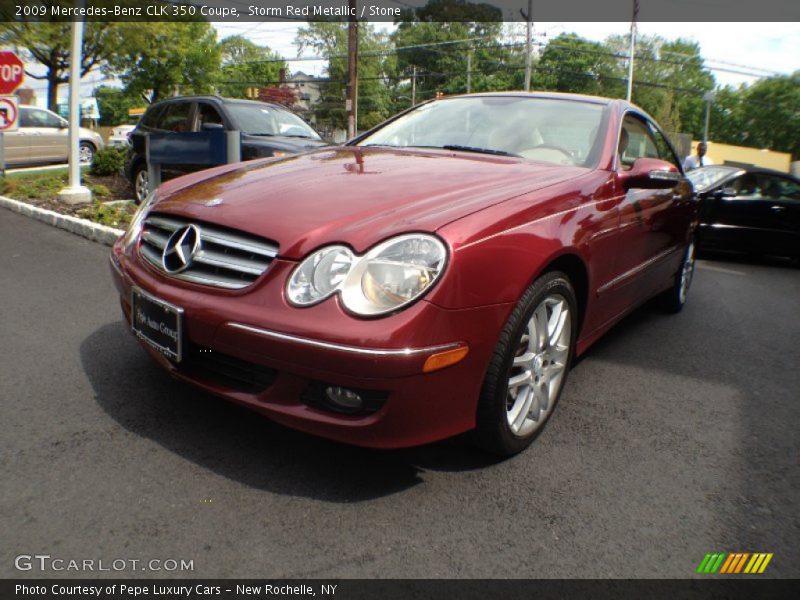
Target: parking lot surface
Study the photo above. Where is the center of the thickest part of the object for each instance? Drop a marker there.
(676, 436)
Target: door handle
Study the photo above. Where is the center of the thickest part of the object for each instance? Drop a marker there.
(778, 208)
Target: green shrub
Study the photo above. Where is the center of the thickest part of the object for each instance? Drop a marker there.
(108, 161)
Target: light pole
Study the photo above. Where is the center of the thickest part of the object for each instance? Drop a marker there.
(709, 98)
(75, 193)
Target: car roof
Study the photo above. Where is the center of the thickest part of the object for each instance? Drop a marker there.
(211, 98)
(550, 95)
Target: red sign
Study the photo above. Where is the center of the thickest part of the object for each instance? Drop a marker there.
(9, 113)
(12, 72)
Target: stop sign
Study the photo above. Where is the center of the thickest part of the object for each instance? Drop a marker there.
(12, 72)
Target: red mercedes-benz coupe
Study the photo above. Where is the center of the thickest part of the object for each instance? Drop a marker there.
(434, 276)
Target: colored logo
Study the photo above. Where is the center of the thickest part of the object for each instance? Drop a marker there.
(733, 563)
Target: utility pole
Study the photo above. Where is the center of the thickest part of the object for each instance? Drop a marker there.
(709, 98)
(469, 70)
(528, 46)
(413, 85)
(633, 46)
(352, 71)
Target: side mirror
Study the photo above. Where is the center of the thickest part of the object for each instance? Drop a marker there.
(63, 124)
(213, 127)
(650, 174)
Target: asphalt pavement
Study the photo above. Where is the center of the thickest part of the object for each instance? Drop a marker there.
(676, 436)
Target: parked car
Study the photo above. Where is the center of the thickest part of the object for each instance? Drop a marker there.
(434, 276)
(748, 210)
(120, 136)
(43, 137)
(267, 130)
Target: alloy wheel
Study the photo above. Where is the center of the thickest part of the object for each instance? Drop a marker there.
(538, 368)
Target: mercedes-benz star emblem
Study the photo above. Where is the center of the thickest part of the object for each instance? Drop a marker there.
(181, 246)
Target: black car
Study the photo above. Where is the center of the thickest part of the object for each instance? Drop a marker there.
(266, 130)
(748, 210)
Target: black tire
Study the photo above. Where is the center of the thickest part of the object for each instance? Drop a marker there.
(493, 431)
(673, 299)
(141, 183)
(86, 152)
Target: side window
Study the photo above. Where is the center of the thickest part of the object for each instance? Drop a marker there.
(33, 117)
(747, 186)
(206, 113)
(151, 117)
(176, 117)
(25, 119)
(664, 150)
(771, 187)
(790, 189)
(635, 141)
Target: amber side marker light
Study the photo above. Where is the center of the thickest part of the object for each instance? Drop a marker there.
(440, 360)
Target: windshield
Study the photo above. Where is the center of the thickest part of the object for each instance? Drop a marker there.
(706, 177)
(261, 119)
(543, 129)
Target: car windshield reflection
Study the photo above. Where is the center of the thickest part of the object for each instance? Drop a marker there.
(550, 130)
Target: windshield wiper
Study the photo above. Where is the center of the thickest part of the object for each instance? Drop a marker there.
(297, 135)
(264, 134)
(478, 150)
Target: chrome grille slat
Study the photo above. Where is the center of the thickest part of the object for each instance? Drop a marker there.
(156, 239)
(216, 259)
(225, 259)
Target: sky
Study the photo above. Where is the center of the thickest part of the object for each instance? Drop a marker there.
(763, 48)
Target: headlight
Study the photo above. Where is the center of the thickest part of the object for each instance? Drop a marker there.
(135, 228)
(391, 275)
(319, 276)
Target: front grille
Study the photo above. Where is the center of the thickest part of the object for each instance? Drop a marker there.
(226, 370)
(223, 258)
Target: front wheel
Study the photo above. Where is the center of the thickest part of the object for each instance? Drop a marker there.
(141, 183)
(529, 366)
(673, 299)
(86, 153)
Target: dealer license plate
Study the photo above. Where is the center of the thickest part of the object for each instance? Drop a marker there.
(158, 323)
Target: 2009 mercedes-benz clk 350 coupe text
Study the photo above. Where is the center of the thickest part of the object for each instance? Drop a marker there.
(436, 275)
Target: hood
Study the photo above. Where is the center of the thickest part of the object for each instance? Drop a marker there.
(356, 196)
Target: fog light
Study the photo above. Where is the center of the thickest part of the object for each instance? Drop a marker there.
(344, 398)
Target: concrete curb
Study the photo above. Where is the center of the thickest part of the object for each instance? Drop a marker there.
(92, 231)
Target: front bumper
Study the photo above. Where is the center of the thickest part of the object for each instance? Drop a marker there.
(307, 347)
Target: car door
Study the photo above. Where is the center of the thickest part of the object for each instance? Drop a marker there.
(653, 222)
(779, 215)
(177, 117)
(49, 137)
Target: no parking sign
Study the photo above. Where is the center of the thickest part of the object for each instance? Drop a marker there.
(9, 113)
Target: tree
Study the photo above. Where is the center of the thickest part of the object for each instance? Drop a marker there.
(158, 59)
(770, 114)
(570, 63)
(444, 39)
(283, 95)
(246, 64)
(329, 39)
(114, 104)
(50, 44)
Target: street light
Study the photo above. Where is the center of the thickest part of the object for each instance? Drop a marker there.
(709, 98)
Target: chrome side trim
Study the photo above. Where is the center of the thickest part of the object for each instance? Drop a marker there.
(636, 270)
(285, 337)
